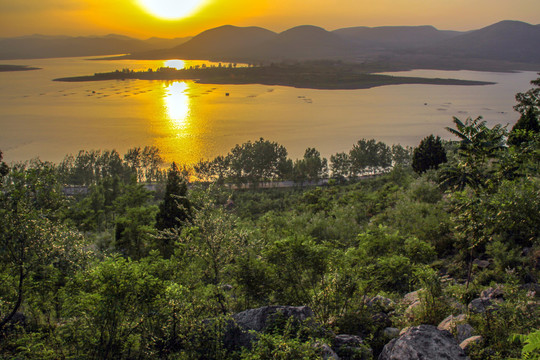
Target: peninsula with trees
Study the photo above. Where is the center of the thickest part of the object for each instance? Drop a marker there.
(4, 68)
(312, 74)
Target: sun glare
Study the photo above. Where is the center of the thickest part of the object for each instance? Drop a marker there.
(171, 9)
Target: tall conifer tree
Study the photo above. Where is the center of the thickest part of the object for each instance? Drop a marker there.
(175, 208)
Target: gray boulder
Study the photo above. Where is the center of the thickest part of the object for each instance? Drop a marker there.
(238, 333)
(350, 347)
(481, 305)
(259, 319)
(421, 343)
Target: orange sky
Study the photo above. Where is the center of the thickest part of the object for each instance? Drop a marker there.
(98, 17)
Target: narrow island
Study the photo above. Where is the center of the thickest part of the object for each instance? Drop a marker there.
(4, 68)
(319, 75)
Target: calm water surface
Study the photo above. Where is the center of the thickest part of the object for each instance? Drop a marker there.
(189, 121)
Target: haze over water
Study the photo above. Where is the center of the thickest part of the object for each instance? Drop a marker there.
(190, 121)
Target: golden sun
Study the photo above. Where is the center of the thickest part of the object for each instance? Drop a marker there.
(171, 9)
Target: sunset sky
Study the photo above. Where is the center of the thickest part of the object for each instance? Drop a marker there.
(128, 17)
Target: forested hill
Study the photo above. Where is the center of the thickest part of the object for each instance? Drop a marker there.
(439, 256)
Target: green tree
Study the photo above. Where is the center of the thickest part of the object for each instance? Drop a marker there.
(151, 163)
(133, 159)
(174, 211)
(401, 156)
(35, 249)
(134, 232)
(478, 144)
(340, 166)
(212, 243)
(311, 168)
(477, 141)
(112, 305)
(529, 101)
(428, 155)
(4, 169)
(369, 156)
(262, 160)
(528, 122)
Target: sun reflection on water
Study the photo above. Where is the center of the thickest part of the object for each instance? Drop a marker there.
(177, 105)
(176, 64)
(181, 126)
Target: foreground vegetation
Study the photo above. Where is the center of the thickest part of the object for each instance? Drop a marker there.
(120, 271)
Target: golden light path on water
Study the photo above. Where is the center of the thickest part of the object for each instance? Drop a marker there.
(177, 104)
(186, 119)
(179, 128)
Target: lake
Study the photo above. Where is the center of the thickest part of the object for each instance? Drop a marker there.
(190, 121)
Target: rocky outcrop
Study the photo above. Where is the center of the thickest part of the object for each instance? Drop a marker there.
(421, 343)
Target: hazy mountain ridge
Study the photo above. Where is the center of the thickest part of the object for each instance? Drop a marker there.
(499, 45)
(395, 37)
(44, 46)
(505, 40)
(304, 42)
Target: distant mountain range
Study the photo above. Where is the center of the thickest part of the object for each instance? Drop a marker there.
(503, 42)
(304, 42)
(395, 37)
(506, 41)
(41, 46)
